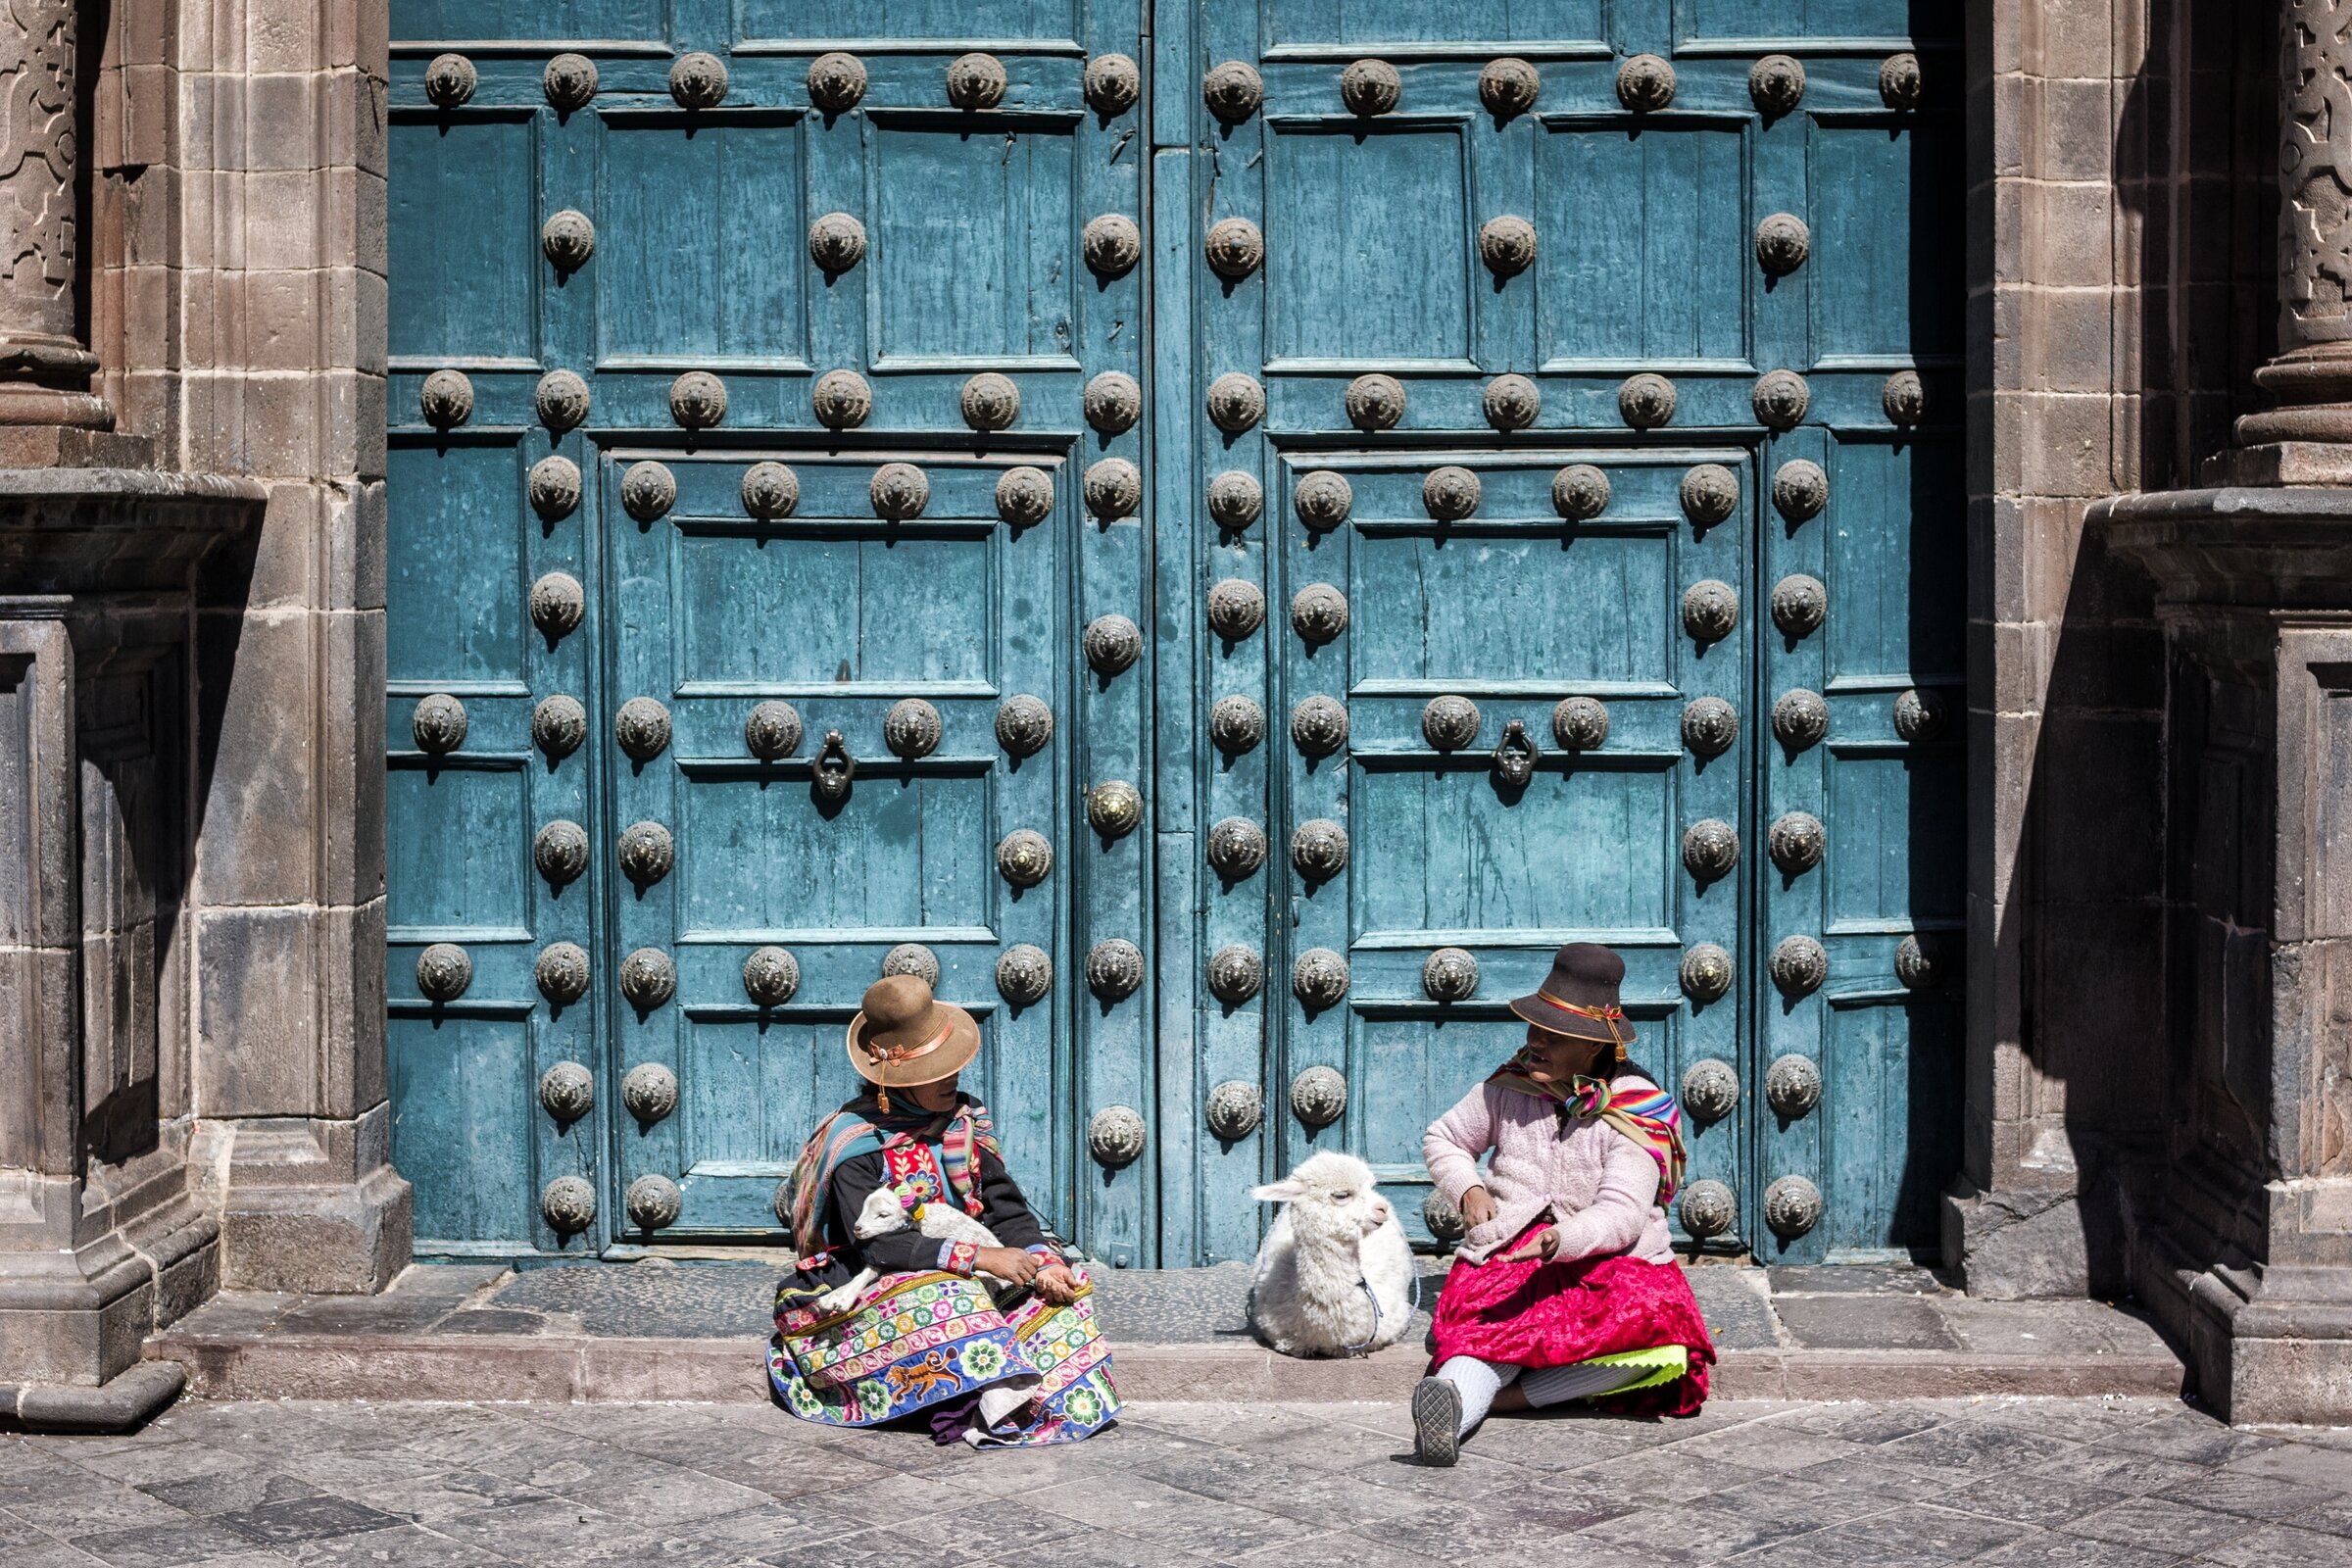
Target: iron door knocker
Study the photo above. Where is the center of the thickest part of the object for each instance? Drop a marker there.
(834, 768)
(1515, 757)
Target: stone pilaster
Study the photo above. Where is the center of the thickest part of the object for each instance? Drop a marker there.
(2311, 379)
(44, 368)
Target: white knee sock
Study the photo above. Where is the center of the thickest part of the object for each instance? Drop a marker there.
(1555, 1385)
(1478, 1382)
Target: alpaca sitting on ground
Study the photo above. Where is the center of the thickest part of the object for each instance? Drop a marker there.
(1334, 1237)
(883, 1215)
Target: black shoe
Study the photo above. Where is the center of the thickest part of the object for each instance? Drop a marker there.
(1436, 1422)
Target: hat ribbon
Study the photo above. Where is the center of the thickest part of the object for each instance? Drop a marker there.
(1599, 1014)
(893, 1054)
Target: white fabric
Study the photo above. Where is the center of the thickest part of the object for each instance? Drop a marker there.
(1478, 1382)
(1555, 1385)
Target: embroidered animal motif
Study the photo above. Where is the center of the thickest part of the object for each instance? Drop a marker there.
(916, 1380)
(885, 1213)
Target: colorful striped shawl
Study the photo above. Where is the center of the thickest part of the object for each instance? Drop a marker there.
(1643, 1112)
(848, 1131)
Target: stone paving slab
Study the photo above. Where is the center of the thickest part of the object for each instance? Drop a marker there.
(1894, 1483)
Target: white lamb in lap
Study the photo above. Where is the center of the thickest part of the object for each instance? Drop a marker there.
(883, 1215)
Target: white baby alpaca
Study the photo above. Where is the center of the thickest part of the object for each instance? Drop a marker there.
(1335, 1236)
(883, 1215)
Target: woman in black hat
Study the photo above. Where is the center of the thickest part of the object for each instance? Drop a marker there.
(1565, 1286)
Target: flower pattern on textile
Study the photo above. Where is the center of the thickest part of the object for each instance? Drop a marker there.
(961, 1258)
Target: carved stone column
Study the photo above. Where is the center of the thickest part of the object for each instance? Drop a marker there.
(44, 368)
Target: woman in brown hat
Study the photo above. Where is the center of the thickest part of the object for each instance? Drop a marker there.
(1016, 1367)
(1565, 1286)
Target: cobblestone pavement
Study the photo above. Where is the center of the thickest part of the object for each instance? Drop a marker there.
(2121, 1484)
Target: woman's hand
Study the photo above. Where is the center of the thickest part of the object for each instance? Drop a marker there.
(1477, 1207)
(1057, 1284)
(1007, 1264)
(1544, 1243)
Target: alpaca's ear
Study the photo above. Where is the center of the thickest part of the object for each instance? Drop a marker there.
(1289, 1190)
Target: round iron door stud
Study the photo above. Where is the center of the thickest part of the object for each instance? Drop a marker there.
(1375, 403)
(1710, 848)
(559, 725)
(1319, 614)
(439, 724)
(910, 729)
(648, 978)
(1235, 974)
(1113, 403)
(1800, 967)
(1705, 972)
(1511, 403)
(1234, 1110)
(1323, 500)
(560, 971)
(990, 402)
(450, 80)
(899, 492)
(772, 731)
(1444, 1219)
(1905, 397)
(1113, 245)
(1800, 490)
(770, 976)
(648, 490)
(1237, 848)
(649, 1092)
(1235, 402)
(1791, 1208)
(1507, 245)
(841, 400)
(1235, 500)
(1710, 726)
(1114, 1135)
(1450, 494)
(1580, 723)
(1710, 1090)
(1900, 85)
(554, 488)
(1918, 716)
(1319, 726)
(836, 81)
(1708, 1209)
(1024, 725)
(1319, 849)
(1449, 723)
(653, 1203)
(1646, 402)
(699, 80)
(836, 242)
(560, 851)
(1114, 969)
(1234, 248)
(1645, 84)
(1449, 974)
(1921, 965)
(1799, 719)
(1319, 978)
(914, 958)
(1112, 644)
(1710, 610)
(1319, 1095)
(698, 400)
(769, 491)
(1233, 90)
(1024, 496)
(1370, 87)
(446, 400)
(1237, 724)
(647, 853)
(1113, 83)
(1782, 242)
(557, 604)
(1775, 83)
(1799, 604)
(1579, 492)
(560, 400)
(1237, 608)
(1114, 488)
(443, 971)
(568, 1092)
(1508, 87)
(642, 728)
(567, 239)
(568, 1204)
(1796, 842)
(1780, 400)
(1024, 974)
(1024, 857)
(1792, 1085)
(1711, 493)
(976, 82)
(1113, 809)
(569, 83)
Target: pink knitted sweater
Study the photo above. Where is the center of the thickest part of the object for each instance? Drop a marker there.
(1600, 1186)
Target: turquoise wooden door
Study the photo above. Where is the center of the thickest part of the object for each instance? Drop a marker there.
(975, 489)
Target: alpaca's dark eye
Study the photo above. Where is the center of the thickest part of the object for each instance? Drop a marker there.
(1343, 1198)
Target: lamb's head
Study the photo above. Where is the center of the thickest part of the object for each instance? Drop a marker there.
(882, 1214)
(1330, 1194)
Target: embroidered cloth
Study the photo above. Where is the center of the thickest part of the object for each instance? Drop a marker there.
(1643, 1111)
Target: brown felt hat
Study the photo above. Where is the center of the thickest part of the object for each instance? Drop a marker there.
(1578, 998)
(902, 1037)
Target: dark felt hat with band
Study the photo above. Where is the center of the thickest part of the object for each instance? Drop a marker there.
(902, 1037)
(1578, 998)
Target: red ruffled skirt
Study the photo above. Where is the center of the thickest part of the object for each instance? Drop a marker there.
(1537, 1314)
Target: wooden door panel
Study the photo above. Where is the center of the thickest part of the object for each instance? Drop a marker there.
(1299, 24)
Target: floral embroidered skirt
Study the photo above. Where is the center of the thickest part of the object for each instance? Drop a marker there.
(915, 1340)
